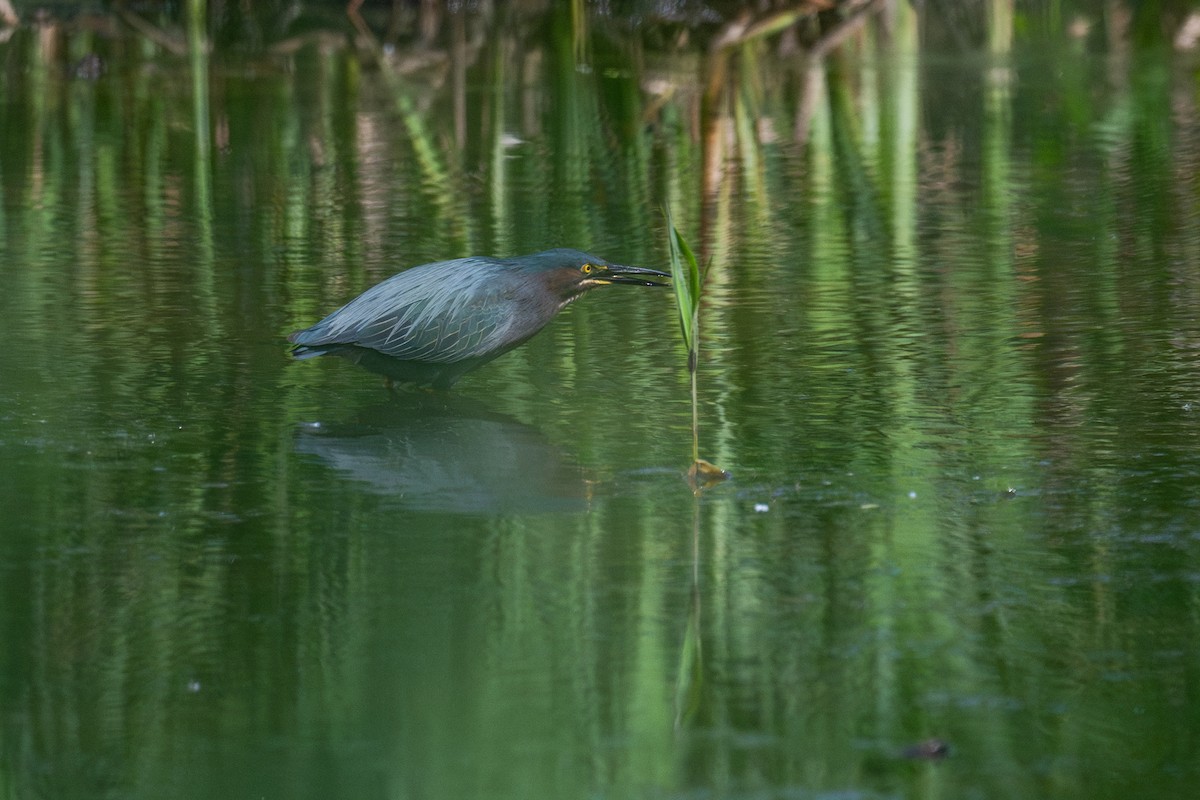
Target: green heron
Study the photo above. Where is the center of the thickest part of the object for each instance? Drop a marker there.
(432, 324)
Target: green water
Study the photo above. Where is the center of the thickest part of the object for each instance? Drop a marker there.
(950, 338)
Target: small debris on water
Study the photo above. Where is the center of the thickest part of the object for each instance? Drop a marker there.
(912, 495)
(761, 508)
(928, 750)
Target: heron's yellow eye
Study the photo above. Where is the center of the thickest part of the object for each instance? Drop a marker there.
(586, 269)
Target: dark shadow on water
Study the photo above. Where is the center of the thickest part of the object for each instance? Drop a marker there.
(446, 453)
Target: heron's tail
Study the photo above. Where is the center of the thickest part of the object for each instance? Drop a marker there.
(308, 343)
(301, 352)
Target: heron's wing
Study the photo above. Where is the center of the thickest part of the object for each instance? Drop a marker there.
(425, 331)
(441, 316)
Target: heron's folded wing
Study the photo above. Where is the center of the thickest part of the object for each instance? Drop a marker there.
(440, 321)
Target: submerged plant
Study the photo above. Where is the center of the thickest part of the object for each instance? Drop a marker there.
(687, 282)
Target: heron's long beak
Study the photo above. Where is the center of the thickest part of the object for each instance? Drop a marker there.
(631, 276)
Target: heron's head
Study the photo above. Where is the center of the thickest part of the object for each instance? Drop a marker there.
(570, 273)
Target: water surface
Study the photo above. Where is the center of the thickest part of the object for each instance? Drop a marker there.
(950, 338)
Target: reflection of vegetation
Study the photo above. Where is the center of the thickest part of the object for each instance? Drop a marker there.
(954, 299)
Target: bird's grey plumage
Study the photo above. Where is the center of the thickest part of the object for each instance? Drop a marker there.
(436, 322)
(431, 313)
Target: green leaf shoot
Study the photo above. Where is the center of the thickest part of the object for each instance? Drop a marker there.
(685, 281)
